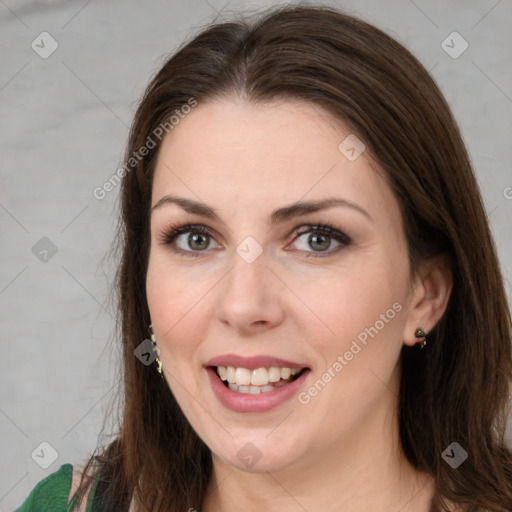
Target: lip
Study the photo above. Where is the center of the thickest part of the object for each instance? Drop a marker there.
(263, 402)
(253, 362)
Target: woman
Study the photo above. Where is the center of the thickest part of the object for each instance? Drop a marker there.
(306, 246)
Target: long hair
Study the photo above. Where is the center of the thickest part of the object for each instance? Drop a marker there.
(455, 391)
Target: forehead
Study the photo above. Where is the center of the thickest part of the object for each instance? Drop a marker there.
(234, 151)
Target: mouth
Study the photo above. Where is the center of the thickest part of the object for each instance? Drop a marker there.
(255, 384)
(256, 381)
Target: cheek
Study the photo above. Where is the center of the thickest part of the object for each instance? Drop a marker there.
(365, 320)
(362, 313)
(176, 306)
(342, 302)
(355, 369)
(176, 326)
(172, 290)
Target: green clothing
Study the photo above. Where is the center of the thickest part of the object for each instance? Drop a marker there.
(51, 494)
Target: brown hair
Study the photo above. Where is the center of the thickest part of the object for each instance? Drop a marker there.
(458, 388)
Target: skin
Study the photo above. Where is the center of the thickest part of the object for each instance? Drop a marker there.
(246, 160)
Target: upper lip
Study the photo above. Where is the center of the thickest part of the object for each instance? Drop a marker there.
(252, 362)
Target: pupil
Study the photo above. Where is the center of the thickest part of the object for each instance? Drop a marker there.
(194, 239)
(324, 238)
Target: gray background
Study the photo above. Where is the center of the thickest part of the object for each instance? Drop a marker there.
(63, 126)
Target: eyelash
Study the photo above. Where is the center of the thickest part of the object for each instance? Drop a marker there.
(167, 237)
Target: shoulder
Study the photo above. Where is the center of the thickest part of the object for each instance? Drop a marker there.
(75, 483)
(51, 493)
(55, 492)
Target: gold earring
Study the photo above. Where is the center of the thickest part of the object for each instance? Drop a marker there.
(420, 333)
(156, 351)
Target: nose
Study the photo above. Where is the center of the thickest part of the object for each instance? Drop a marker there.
(251, 297)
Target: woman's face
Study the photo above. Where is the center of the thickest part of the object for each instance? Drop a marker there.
(307, 323)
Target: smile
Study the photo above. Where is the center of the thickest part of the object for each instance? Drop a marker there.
(259, 380)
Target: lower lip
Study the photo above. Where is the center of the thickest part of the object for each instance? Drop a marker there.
(262, 402)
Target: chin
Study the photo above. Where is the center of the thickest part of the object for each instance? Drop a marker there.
(256, 454)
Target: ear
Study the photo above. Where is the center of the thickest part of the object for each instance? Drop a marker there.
(430, 294)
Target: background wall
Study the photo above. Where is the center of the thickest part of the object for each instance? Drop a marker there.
(71, 73)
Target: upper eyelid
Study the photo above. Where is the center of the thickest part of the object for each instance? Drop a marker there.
(190, 226)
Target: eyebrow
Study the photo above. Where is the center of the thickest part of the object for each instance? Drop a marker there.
(278, 216)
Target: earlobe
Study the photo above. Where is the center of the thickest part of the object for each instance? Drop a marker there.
(422, 336)
(430, 298)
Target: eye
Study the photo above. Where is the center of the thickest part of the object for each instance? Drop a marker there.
(320, 239)
(199, 239)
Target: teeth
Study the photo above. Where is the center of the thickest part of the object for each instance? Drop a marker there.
(285, 373)
(274, 374)
(243, 376)
(230, 373)
(259, 377)
(253, 382)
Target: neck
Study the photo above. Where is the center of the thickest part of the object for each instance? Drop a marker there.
(364, 471)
